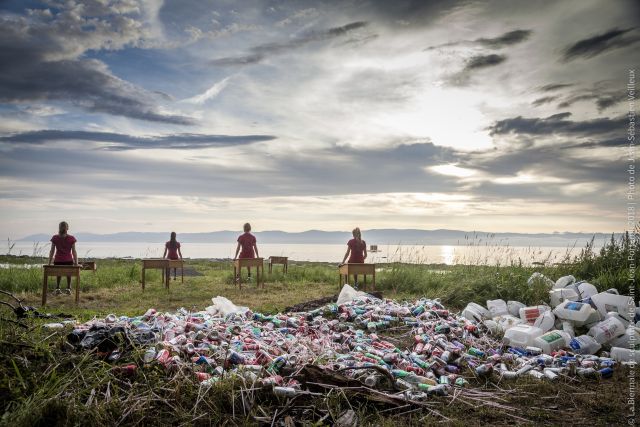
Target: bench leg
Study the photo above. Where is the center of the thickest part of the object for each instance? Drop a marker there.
(45, 288)
(373, 284)
(143, 274)
(77, 288)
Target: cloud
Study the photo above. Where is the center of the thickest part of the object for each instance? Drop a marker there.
(507, 39)
(210, 93)
(123, 142)
(484, 61)
(556, 124)
(42, 57)
(554, 87)
(258, 53)
(544, 100)
(593, 46)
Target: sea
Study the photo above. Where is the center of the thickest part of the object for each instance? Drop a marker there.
(419, 254)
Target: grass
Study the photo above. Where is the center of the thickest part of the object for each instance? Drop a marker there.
(40, 384)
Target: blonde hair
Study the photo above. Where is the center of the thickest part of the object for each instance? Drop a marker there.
(247, 227)
(356, 233)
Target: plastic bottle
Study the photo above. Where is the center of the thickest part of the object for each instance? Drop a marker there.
(584, 344)
(586, 290)
(149, 355)
(475, 312)
(557, 296)
(497, 307)
(552, 341)
(567, 327)
(514, 307)
(607, 330)
(606, 302)
(577, 312)
(530, 314)
(545, 321)
(620, 354)
(539, 276)
(521, 335)
(508, 321)
(631, 334)
(564, 281)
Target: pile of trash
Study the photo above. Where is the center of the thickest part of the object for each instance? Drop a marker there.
(579, 323)
(402, 350)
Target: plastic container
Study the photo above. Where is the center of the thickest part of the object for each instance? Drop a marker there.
(568, 328)
(620, 354)
(577, 312)
(539, 277)
(497, 307)
(546, 321)
(586, 290)
(606, 302)
(552, 341)
(607, 330)
(564, 281)
(521, 335)
(475, 312)
(530, 314)
(514, 307)
(631, 335)
(618, 316)
(557, 296)
(584, 344)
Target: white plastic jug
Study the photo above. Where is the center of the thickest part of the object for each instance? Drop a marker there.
(606, 330)
(618, 316)
(545, 321)
(552, 341)
(514, 307)
(494, 327)
(521, 335)
(606, 302)
(620, 354)
(539, 277)
(530, 314)
(631, 335)
(586, 290)
(574, 311)
(557, 296)
(567, 327)
(497, 307)
(564, 281)
(475, 312)
(584, 344)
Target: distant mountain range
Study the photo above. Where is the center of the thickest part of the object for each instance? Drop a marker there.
(379, 237)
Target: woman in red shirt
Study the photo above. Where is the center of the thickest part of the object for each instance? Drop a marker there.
(63, 245)
(357, 248)
(248, 244)
(172, 251)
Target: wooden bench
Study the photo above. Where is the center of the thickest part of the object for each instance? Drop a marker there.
(279, 260)
(60, 271)
(353, 269)
(239, 263)
(164, 265)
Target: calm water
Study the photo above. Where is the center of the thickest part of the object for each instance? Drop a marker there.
(321, 252)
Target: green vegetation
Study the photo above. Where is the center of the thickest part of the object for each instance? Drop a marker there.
(41, 384)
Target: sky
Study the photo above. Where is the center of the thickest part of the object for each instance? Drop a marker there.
(199, 115)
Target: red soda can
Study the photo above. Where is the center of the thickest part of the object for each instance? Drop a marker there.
(127, 370)
(163, 357)
(419, 348)
(202, 376)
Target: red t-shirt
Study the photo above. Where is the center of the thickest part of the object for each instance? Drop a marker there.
(63, 246)
(357, 250)
(247, 242)
(172, 252)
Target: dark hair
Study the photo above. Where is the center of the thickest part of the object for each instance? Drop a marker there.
(247, 227)
(63, 227)
(173, 242)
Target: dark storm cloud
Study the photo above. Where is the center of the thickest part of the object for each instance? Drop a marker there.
(484, 61)
(593, 46)
(603, 99)
(507, 39)
(556, 124)
(258, 53)
(41, 59)
(555, 86)
(122, 142)
(544, 100)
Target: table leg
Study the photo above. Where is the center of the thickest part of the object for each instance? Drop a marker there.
(143, 274)
(182, 271)
(78, 288)
(45, 288)
(270, 267)
(373, 284)
(365, 282)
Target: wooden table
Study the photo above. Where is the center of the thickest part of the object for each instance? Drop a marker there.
(238, 263)
(164, 265)
(353, 269)
(279, 260)
(59, 271)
